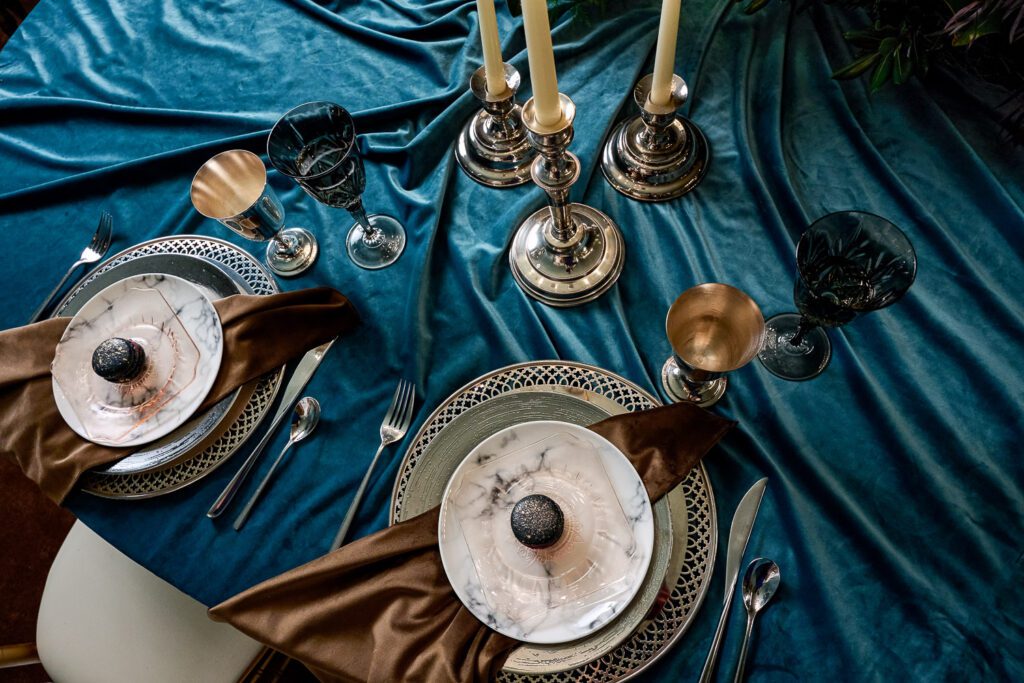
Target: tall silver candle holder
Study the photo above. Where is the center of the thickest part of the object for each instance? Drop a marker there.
(658, 154)
(565, 254)
(492, 147)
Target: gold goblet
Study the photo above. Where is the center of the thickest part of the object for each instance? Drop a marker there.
(713, 329)
(232, 189)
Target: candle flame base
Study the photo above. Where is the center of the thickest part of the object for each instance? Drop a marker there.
(492, 147)
(658, 154)
(565, 254)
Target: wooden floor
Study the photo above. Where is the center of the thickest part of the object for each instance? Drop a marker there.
(11, 14)
(33, 529)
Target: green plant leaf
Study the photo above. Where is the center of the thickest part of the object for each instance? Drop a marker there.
(755, 5)
(882, 72)
(989, 24)
(856, 67)
(903, 66)
(864, 39)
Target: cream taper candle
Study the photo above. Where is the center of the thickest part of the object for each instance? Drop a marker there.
(665, 56)
(494, 68)
(547, 105)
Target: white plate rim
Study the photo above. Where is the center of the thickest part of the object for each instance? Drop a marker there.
(63, 404)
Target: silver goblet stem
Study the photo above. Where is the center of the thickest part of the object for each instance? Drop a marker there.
(657, 154)
(567, 253)
(685, 383)
(492, 147)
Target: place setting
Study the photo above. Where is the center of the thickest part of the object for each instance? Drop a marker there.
(130, 308)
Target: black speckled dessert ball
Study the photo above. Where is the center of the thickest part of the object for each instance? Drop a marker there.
(537, 521)
(118, 360)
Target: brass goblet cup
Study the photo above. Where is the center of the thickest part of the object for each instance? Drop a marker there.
(232, 188)
(713, 329)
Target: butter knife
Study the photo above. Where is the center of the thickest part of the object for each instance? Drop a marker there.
(300, 378)
(739, 534)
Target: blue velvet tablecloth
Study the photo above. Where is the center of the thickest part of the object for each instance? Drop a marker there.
(895, 507)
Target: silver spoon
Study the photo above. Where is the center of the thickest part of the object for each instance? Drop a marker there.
(304, 421)
(759, 585)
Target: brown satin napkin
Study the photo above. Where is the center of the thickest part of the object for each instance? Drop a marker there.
(381, 609)
(260, 333)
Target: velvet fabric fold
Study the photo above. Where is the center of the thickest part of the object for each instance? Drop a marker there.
(381, 609)
(260, 333)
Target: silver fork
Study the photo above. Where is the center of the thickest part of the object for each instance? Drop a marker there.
(396, 423)
(94, 252)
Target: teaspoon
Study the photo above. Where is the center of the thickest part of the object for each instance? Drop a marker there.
(304, 421)
(759, 585)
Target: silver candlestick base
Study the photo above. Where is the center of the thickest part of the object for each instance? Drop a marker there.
(656, 155)
(564, 254)
(492, 147)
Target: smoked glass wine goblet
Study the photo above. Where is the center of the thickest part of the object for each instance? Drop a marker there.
(315, 145)
(848, 263)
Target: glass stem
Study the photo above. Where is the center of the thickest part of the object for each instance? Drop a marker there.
(359, 213)
(801, 331)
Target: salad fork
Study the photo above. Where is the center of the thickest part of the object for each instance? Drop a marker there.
(395, 425)
(94, 252)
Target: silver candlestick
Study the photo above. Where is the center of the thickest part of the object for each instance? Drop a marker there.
(492, 147)
(658, 154)
(564, 254)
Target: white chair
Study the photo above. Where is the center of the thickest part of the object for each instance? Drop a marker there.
(106, 619)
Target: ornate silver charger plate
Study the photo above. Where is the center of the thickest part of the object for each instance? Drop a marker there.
(685, 520)
(208, 441)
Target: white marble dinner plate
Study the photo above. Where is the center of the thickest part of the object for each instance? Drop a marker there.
(572, 589)
(180, 331)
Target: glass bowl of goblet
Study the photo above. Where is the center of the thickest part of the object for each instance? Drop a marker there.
(315, 145)
(232, 188)
(848, 263)
(713, 329)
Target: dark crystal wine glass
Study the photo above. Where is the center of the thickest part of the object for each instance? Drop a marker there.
(848, 263)
(315, 145)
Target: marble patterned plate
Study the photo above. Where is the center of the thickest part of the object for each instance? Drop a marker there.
(179, 330)
(216, 282)
(448, 447)
(573, 588)
(244, 417)
(582, 394)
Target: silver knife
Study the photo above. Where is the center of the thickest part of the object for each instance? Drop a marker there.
(739, 534)
(300, 378)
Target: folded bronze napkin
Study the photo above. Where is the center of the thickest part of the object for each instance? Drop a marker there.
(381, 609)
(260, 333)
